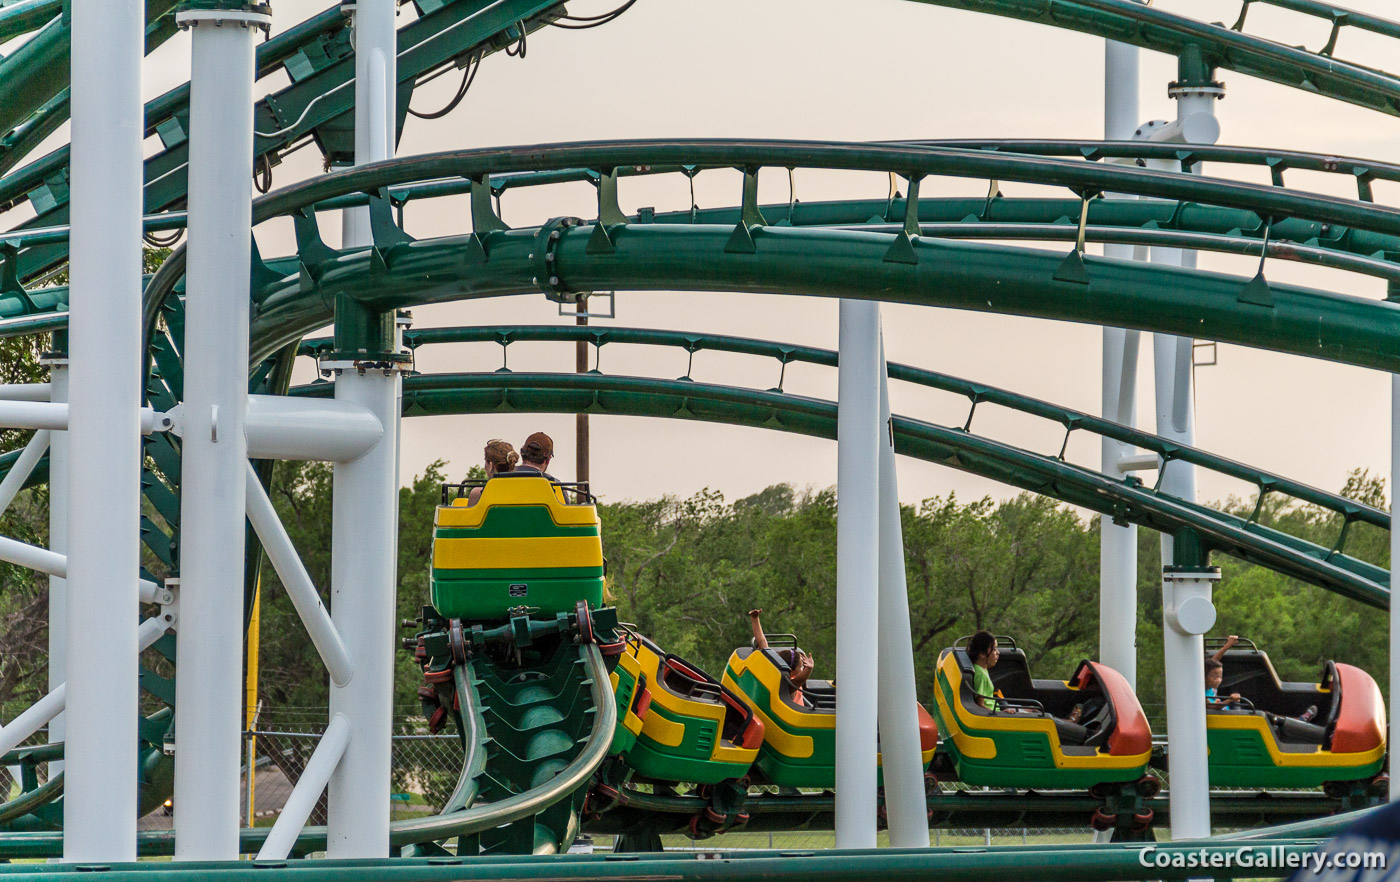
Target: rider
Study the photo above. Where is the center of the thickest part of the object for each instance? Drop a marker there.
(801, 664)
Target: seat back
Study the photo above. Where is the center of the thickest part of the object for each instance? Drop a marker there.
(521, 545)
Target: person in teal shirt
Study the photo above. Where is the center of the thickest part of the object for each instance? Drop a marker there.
(982, 649)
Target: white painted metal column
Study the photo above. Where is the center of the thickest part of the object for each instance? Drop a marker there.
(363, 581)
(1187, 614)
(209, 700)
(1118, 542)
(104, 481)
(58, 533)
(1183, 651)
(365, 507)
(857, 572)
(906, 805)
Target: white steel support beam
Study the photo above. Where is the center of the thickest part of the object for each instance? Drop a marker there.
(58, 538)
(364, 532)
(46, 709)
(1187, 614)
(906, 804)
(208, 707)
(363, 582)
(20, 414)
(1118, 541)
(1183, 648)
(104, 481)
(28, 391)
(24, 467)
(857, 571)
(309, 428)
(307, 600)
(307, 791)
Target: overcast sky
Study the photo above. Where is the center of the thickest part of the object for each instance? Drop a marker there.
(867, 70)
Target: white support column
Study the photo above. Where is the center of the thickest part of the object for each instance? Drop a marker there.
(376, 99)
(363, 581)
(1187, 614)
(364, 532)
(857, 572)
(1118, 542)
(1394, 556)
(208, 708)
(1183, 651)
(58, 539)
(99, 806)
(906, 804)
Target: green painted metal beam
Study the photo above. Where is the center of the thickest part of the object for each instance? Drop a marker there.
(1138, 24)
(38, 71)
(984, 278)
(977, 393)
(1074, 862)
(318, 104)
(1125, 500)
(19, 17)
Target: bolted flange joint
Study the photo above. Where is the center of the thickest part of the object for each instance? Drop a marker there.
(235, 13)
(545, 264)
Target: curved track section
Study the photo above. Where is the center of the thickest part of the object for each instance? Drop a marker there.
(1039, 473)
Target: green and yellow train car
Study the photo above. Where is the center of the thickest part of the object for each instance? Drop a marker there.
(799, 740)
(1260, 741)
(677, 723)
(527, 542)
(1027, 740)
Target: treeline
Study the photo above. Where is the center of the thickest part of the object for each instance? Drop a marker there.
(685, 571)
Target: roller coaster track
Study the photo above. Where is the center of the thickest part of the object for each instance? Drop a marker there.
(291, 300)
(317, 106)
(1127, 21)
(622, 252)
(1046, 474)
(433, 393)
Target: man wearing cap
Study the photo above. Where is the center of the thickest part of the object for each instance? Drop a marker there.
(535, 455)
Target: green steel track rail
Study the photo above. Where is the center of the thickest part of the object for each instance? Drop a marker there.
(1123, 500)
(1265, 483)
(19, 17)
(663, 814)
(1128, 21)
(1063, 863)
(34, 78)
(553, 803)
(291, 295)
(318, 104)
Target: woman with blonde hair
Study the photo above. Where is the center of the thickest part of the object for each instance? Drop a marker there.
(500, 458)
